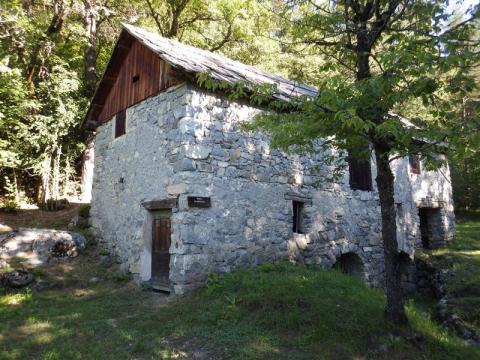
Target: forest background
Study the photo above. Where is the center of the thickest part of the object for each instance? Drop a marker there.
(53, 53)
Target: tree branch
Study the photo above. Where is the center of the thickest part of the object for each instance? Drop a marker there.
(155, 17)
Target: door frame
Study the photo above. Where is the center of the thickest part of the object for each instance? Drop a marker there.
(158, 215)
(151, 207)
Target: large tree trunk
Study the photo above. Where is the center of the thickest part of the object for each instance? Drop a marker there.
(394, 309)
(395, 306)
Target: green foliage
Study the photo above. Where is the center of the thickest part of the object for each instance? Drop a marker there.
(405, 67)
(466, 159)
(10, 206)
(44, 89)
(84, 211)
(122, 276)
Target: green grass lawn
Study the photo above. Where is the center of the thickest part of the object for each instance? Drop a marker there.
(91, 311)
(275, 312)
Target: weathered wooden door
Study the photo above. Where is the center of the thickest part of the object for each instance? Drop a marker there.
(160, 250)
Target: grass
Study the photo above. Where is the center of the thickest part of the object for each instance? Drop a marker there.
(91, 310)
(277, 311)
(462, 257)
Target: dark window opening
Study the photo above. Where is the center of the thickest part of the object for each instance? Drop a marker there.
(120, 122)
(297, 217)
(135, 78)
(414, 161)
(432, 230)
(360, 172)
(425, 232)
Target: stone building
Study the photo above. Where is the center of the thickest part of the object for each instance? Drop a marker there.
(180, 191)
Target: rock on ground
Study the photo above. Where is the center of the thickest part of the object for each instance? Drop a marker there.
(38, 246)
(17, 278)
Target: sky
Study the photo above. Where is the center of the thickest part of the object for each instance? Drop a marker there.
(462, 6)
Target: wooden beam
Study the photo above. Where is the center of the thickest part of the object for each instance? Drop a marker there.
(160, 204)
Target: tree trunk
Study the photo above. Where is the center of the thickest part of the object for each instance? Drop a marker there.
(90, 65)
(54, 27)
(87, 170)
(15, 184)
(90, 52)
(56, 175)
(394, 309)
(395, 306)
(45, 173)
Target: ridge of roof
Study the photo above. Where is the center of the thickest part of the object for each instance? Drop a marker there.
(195, 60)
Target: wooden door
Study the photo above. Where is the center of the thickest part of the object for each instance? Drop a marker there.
(160, 250)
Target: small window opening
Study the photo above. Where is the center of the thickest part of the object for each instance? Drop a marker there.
(120, 122)
(360, 172)
(297, 217)
(414, 161)
(135, 78)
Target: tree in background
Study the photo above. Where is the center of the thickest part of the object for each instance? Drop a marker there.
(52, 53)
(465, 162)
(40, 96)
(383, 59)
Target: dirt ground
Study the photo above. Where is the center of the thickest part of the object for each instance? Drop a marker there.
(36, 218)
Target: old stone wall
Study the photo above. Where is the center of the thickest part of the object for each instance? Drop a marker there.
(132, 169)
(186, 142)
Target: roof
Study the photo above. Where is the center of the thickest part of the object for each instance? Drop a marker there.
(193, 60)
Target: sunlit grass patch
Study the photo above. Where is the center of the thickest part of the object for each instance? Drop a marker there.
(16, 298)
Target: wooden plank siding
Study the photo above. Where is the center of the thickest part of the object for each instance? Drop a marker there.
(141, 75)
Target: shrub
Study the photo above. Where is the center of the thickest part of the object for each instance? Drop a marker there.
(84, 211)
(121, 276)
(10, 206)
(54, 205)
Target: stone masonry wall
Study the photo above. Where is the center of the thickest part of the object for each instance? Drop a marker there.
(185, 142)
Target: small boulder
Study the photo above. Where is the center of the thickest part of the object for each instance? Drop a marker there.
(41, 285)
(39, 246)
(17, 278)
(105, 259)
(74, 221)
(78, 221)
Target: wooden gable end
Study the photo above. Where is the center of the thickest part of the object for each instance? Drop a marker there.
(140, 75)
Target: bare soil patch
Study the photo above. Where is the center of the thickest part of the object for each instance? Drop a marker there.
(37, 218)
